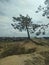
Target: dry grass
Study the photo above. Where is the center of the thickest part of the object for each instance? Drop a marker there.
(30, 58)
(15, 60)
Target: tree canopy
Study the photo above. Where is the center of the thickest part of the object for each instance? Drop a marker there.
(45, 9)
(25, 23)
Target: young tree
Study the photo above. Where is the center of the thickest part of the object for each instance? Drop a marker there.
(25, 23)
(22, 23)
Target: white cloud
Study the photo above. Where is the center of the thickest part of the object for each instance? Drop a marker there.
(14, 8)
(7, 30)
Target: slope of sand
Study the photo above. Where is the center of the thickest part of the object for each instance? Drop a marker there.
(19, 59)
(15, 60)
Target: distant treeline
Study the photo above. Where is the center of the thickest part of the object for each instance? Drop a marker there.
(16, 38)
(13, 38)
(46, 37)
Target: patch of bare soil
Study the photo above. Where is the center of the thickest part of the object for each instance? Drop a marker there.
(39, 57)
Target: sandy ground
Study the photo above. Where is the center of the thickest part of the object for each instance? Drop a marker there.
(15, 60)
(19, 59)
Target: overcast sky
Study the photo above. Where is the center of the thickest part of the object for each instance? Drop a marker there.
(10, 8)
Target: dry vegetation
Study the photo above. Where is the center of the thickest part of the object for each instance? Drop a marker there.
(25, 52)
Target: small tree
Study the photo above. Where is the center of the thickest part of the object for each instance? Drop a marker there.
(25, 23)
(22, 23)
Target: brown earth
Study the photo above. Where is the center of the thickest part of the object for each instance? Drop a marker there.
(39, 57)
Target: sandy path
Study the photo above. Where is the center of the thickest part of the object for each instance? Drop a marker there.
(15, 60)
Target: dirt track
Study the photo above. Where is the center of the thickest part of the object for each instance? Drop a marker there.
(15, 60)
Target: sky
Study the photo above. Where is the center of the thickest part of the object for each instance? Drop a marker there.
(10, 8)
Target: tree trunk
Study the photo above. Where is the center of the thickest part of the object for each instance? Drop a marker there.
(28, 32)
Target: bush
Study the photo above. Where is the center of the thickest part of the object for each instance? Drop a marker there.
(9, 51)
(13, 50)
(46, 55)
(36, 59)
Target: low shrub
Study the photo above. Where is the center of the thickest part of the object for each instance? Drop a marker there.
(15, 50)
(46, 55)
(36, 59)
